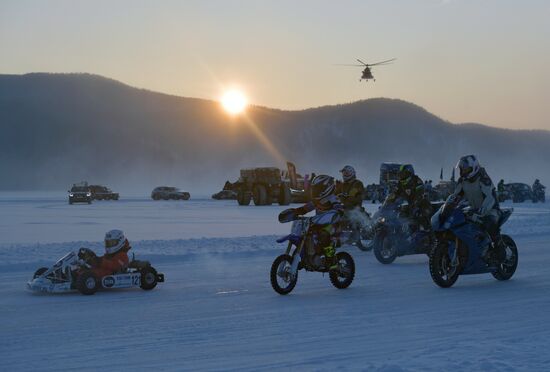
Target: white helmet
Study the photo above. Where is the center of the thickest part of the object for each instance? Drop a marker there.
(114, 241)
(348, 173)
(468, 166)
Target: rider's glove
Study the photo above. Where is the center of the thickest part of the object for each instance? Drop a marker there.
(476, 218)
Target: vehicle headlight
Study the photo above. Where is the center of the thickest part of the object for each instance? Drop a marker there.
(71, 194)
(88, 194)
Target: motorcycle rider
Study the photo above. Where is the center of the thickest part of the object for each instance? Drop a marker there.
(351, 193)
(476, 187)
(115, 258)
(538, 188)
(328, 211)
(500, 190)
(411, 189)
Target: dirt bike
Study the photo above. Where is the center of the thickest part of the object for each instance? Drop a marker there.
(460, 243)
(302, 253)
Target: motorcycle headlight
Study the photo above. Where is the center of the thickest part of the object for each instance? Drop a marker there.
(88, 194)
(71, 194)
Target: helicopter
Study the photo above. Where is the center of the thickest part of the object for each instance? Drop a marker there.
(367, 73)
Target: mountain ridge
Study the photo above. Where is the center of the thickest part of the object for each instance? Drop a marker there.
(61, 128)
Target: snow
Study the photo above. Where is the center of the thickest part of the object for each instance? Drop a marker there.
(217, 311)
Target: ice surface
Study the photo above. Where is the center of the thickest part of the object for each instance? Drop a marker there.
(217, 310)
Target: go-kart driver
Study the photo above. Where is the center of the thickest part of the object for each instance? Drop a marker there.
(329, 212)
(115, 258)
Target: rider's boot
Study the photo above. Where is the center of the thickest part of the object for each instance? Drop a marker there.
(330, 257)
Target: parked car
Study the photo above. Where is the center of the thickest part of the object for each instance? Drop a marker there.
(80, 193)
(519, 192)
(299, 196)
(225, 195)
(168, 192)
(103, 193)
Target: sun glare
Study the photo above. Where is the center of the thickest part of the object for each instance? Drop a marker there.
(234, 102)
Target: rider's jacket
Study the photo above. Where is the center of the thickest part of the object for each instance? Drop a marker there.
(326, 213)
(411, 190)
(480, 193)
(112, 263)
(351, 194)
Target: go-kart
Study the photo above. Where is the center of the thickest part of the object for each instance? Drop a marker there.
(73, 272)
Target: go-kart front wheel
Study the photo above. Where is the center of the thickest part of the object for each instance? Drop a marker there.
(343, 276)
(148, 278)
(87, 283)
(282, 280)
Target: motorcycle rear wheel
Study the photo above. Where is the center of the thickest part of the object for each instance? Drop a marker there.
(343, 276)
(282, 281)
(507, 268)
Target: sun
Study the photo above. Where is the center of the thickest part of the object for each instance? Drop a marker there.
(234, 102)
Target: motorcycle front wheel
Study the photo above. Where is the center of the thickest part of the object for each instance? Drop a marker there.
(385, 251)
(282, 280)
(443, 271)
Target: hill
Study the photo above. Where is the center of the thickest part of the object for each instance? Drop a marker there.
(62, 128)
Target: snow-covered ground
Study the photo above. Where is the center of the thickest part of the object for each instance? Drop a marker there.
(217, 310)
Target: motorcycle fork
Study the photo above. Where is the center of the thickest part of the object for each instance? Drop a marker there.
(297, 257)
(458, 253)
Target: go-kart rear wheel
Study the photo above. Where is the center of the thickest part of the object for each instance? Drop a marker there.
(343, 276)
(148, 278)
(87, 283)
(39, 272)
(282, 280)
(507, 267)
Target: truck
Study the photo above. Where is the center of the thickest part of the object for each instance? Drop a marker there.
(264, 186)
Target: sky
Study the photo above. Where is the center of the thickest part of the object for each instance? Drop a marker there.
(483, 61)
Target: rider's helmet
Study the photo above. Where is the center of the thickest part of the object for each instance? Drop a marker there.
(114, 241)
(406, 171)
(322, 187)
(468, 166)
(348, 173)
(537, 181)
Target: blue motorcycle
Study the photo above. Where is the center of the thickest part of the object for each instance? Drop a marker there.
(396, 235)
(461, 243)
